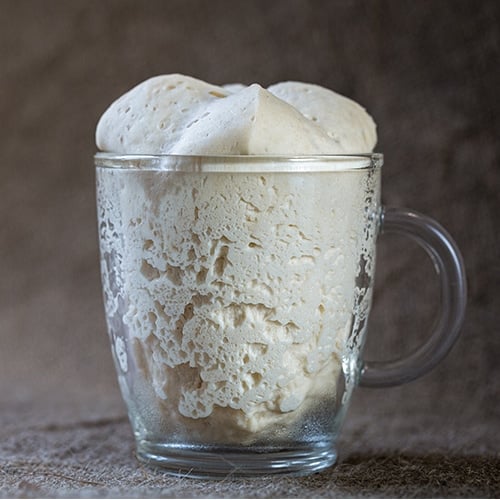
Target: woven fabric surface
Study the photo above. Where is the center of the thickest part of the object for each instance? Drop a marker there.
(63, 455)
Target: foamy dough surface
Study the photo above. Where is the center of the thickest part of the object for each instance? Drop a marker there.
(231, 296)
(177, 114)
(240, 291)
(344, 121)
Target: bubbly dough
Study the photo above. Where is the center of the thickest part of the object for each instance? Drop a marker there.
(238, 291)
(155, 114)
(344, 121)
(177, 114)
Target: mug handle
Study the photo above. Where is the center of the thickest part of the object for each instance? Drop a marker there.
(449, 267)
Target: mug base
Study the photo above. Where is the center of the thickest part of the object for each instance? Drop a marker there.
(199, 462)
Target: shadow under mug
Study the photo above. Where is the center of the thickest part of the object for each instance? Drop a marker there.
(237, 292)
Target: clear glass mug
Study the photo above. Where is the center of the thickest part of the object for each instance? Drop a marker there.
(237, 292)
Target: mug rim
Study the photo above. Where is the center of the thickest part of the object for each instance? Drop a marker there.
(239, 163)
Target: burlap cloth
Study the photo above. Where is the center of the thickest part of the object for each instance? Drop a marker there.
(89, 452)
(428, 72)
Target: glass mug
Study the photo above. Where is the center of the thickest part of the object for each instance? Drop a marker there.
(237, 292)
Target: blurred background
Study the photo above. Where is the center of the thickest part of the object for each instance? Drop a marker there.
(427, 71)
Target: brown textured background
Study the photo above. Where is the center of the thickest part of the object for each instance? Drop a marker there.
(428, 71)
